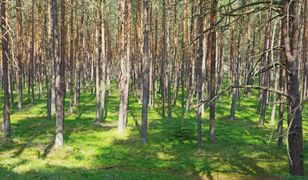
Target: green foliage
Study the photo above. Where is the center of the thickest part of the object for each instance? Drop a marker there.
(243, 149)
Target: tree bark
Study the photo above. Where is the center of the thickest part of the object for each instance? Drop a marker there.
(103, 62)
(71, 64)
(146, 62)
(212, 68)
(199, 73)
(266, 78)
(5, 61)
(19, 34)
(124, 80)
(58, 79)
(31, 68)
(295, 134)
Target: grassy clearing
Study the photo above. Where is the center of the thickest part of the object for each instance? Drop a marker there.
(243, 150)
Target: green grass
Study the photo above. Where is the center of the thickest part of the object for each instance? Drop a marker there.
(244, 149)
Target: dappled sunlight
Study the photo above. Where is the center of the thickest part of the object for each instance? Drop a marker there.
(243, 147)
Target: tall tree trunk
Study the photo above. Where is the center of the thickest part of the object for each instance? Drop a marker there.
(31, 69)
(305, 51)
(71, 71)
(199, 74)
(191, 61)
(295, 133)
(163, 66)
(145, 98)
(58, 78)
(103, 61)
(184, 55)
(282, 85)
(79, 60)
(266, 62)
(123, 76)
(49, 63)
(212, 68)
(98, 40)
(5, 51)
(19, 34)
(233, 72)
(176, 56)
(63, 47)
(168, 60)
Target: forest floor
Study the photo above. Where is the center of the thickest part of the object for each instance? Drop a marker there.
(244, 149)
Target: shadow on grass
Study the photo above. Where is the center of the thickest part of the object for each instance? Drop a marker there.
(242, 147)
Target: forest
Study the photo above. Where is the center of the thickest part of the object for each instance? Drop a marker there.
(154, 89)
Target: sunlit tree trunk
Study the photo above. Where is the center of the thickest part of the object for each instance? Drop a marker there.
(123, 66)
(58, 78)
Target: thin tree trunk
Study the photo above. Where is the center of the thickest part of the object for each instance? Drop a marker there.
(6, 104)
(98, 40)
(49, 61)
(71, 71)
(266, 62)
(168, 60)
(305, 51)
(31, 69)
(19, 34)
(103, 62)
(281, 99)
(212, 59)
(199, 74)
(233, 73)
(146, 62)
